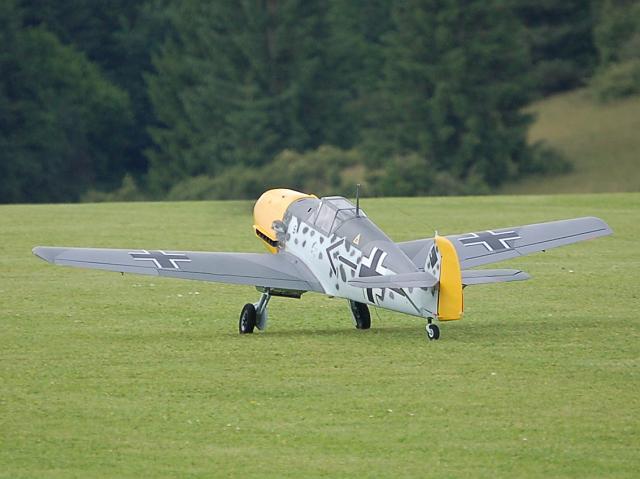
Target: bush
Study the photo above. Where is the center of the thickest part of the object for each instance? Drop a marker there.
(413, 175)
(324, 171)
(128, 191)
(619, 80)
(332, 171)
(545, 160)
(558, 75)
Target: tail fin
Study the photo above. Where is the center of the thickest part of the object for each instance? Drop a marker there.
(443, 263)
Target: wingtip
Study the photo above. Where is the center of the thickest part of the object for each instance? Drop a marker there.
(46, 253)
(606, 229)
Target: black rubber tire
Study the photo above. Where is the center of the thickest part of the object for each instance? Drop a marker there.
(361, 314)
(433, 332)
(247, 321)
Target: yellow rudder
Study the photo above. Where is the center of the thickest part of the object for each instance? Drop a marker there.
(450, 303)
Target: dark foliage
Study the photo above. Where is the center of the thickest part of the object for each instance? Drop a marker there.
(110, 100)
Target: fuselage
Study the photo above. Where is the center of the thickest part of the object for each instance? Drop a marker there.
(338, 243)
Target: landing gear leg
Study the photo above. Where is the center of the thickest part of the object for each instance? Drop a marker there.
(433, 331)
(261, 310)
(254, 315)
(360, 315)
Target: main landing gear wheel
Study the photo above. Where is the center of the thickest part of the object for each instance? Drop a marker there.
(433, 332)
(360, 314)
(247, 319)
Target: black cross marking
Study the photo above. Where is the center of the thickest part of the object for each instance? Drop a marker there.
(366, 271)
(433, 256)
(491, 240)
(161, 259)
(375, 261)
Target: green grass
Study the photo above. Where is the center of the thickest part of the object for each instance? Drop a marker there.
(602, 141)
(103, 375)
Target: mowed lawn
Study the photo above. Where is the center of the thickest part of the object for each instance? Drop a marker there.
(103, 375)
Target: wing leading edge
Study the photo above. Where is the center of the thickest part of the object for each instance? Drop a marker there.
(282, 270)
(491, 246)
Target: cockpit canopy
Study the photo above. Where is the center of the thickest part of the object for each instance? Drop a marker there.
(333, 212)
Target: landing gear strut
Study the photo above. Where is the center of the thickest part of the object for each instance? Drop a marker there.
(360, 315)
(433, 331)
(254, 315)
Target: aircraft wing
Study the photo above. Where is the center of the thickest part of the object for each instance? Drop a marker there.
(491, 246)
(281, 271)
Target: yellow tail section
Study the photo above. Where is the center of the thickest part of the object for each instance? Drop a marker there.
(450, 298)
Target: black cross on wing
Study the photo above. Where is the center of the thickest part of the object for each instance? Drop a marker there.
(161, 259)
(493, 241)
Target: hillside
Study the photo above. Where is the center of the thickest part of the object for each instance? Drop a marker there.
(601, 140)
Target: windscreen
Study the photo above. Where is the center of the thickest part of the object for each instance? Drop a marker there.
(333, 212)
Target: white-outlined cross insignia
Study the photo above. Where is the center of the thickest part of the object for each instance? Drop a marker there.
(161, 259)
(491, 240)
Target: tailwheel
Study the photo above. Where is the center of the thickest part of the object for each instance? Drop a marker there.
(433, 332)
(247, 319)
(360, 315)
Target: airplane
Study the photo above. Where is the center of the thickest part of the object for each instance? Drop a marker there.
(329, 245)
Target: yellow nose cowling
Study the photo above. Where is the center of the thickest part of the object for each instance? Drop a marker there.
(270, 207)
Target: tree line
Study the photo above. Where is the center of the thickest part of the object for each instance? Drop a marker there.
(194, 99)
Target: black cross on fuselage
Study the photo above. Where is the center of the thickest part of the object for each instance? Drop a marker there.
(376, 258)
(490, 240)
(161, 259)
(366, 271)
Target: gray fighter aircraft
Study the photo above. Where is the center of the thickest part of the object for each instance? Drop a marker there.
(330, 246)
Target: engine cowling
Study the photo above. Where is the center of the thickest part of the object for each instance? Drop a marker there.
(270, 207)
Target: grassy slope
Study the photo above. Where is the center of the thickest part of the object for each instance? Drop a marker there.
(110, 376)
(601, 140)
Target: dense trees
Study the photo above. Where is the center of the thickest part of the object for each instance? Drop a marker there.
(561, 41)
(618, 41)
(455, 81)
(236, 84)
(218, 99)
(62, 124)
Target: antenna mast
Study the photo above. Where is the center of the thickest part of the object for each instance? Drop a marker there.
(358, 200)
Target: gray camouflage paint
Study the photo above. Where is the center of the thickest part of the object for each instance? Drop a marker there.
(335, 260)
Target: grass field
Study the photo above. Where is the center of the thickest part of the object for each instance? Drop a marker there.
(602, 141)
(103, 375)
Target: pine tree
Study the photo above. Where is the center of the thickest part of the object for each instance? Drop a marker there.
(355, 60)
(237, 84)
(62, 124)
(455, 83)
(119, 36)
(560, 37)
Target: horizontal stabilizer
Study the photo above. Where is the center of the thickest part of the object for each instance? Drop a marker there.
(419, 279)
(484, 276)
